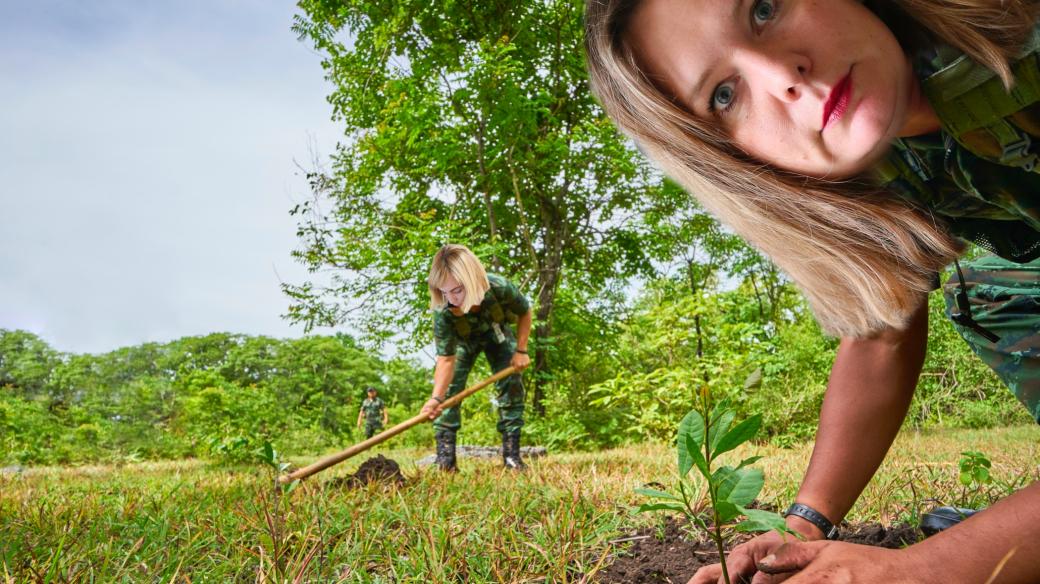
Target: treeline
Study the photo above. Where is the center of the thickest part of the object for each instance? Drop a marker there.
(215, 395)
(617, 380)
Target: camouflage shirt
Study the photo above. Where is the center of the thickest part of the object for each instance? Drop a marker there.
(373, 409)
(503, 303)
(962, 177)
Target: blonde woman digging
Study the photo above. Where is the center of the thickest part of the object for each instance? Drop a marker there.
(472, 311)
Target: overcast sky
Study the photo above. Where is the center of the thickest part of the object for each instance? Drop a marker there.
(148, 157)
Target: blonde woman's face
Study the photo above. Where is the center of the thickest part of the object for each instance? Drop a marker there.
(453, 291)
(819, 87)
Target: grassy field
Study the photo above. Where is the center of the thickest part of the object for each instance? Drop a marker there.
(190, 521)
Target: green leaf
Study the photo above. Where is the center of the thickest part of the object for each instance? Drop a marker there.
(694, 453)
(727, 511)
(658, 494)
(741, 486)
(647, 507)
(748, 461)
(719, 427)
(740, 434)
(982, 475)
(754, 380)
(691, 427)
(759, 520)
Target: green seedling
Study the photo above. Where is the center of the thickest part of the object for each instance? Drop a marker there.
(270, 458)
(974, 469)
(974, 475)
(719, 498)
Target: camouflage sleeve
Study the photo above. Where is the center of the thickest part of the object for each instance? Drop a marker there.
(511, 298)
(443, 334)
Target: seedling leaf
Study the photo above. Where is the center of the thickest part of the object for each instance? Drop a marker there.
(742, 486)
(727, 511)
(719, 428)
(740, 434)
(694, 452)
(749, 461)
(759, 520)
(661, 507)
(691, 427)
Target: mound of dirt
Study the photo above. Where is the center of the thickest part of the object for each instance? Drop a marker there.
(378, 469)
(672, 556)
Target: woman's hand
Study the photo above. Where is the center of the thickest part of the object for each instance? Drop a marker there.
(835, 562)
(432, 408)
(741, 562)
(520, 361)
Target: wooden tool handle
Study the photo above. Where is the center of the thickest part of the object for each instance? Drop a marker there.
(324, 463)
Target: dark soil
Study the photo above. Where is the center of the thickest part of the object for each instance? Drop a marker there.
(378, 469)
(671, 555)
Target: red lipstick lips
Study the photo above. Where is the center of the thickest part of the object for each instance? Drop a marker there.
(837, 101)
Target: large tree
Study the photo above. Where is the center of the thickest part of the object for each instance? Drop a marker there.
(466, 121)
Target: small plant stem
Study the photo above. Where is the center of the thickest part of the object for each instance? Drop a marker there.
(717, 536)
(713, 493)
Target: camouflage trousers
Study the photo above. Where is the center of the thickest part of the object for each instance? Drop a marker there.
(372, 427)
(510, 391)
(1005, 299)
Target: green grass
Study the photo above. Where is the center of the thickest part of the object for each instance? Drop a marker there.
(189, 521)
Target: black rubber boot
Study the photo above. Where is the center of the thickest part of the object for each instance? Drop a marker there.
(446, 450)
(511, 451)
(942, 518)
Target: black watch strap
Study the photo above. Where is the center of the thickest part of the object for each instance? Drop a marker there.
(830, 531)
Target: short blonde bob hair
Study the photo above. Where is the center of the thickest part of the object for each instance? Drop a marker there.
(458, 262)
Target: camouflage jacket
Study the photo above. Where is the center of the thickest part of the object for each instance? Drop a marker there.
(979, 172)
(373, 409)
(503, 303)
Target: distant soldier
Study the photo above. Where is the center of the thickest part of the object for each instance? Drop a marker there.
(373, 411)
(472, 311)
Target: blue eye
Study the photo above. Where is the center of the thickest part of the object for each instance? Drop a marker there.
(763, 11)
(722, 98)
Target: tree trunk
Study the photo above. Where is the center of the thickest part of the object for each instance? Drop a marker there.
(548, 283)
(696, 317)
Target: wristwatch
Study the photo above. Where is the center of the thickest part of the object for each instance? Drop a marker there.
(830, 531)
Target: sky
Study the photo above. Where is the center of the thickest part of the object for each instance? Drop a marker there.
(149, 155)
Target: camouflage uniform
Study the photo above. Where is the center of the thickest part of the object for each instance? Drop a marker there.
(373, 408)
(485, 331)
(980, 175)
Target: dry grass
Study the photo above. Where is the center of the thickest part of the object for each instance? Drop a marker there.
(189, 521)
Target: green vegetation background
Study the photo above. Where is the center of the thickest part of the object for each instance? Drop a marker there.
(473, 123)
(616, 381)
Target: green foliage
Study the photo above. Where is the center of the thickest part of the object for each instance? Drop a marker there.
(466, 123)
(974, 469)
(723, 493)
(220, 396)
(974, 477)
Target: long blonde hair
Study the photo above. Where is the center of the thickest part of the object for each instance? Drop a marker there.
(461, 264)
(863, 258)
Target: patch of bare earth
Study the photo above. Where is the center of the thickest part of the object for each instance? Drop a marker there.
(672, 555)
(378, 469)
